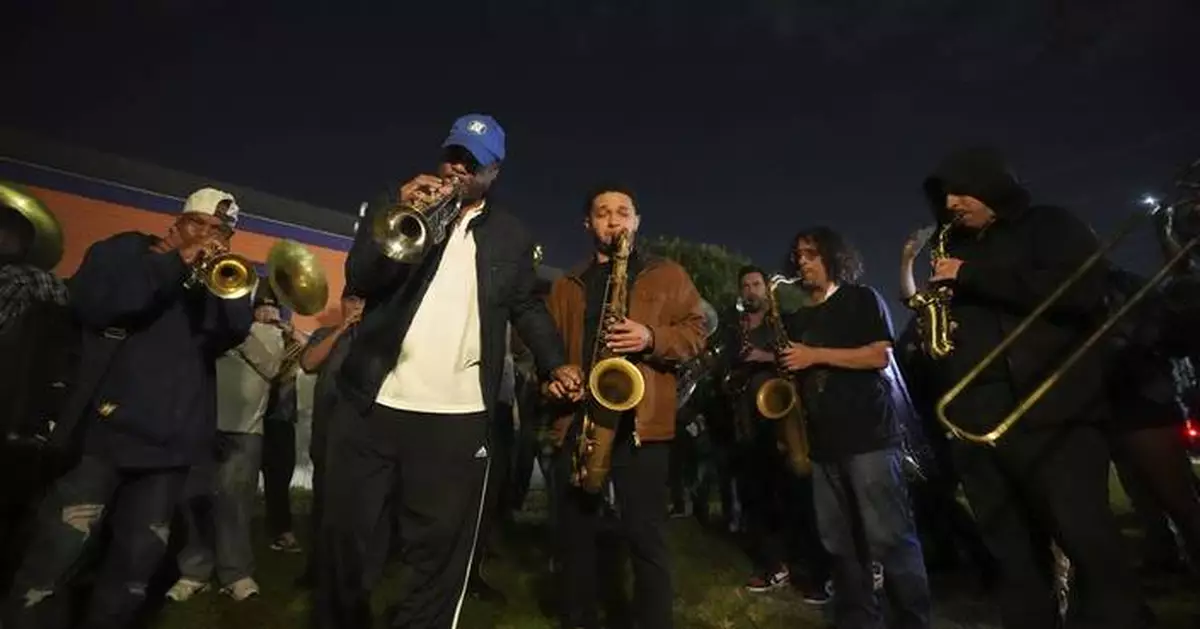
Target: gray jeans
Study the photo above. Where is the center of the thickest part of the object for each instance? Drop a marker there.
(218, 506)
(864, 517)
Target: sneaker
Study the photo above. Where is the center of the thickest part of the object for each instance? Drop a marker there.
(818, 595)
(241, 589)
(769, 582)
(286, 543)
(185, 589)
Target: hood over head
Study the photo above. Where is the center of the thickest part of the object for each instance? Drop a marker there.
(980, 172)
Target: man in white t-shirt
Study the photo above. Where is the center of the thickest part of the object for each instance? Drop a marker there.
(419, 392)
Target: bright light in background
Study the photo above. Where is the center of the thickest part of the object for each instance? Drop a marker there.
(1149, 200)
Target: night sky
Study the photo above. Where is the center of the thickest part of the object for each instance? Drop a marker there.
(736, 126)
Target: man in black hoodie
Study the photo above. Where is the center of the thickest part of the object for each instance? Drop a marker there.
(1047, 478)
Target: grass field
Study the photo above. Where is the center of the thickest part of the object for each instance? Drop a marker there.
(709, 569)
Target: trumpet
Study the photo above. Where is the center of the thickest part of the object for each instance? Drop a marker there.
(1023, 407)
(406, 232)
(224, 274)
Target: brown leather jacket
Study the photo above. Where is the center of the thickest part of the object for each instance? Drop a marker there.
(663, 298)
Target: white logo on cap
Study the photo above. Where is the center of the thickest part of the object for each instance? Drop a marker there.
(477, 127)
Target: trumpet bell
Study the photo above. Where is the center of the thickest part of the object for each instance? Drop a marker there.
(616, 384)
(46, 248)
(295, 275)
(402, 234)
(229, 276)
(776, 398)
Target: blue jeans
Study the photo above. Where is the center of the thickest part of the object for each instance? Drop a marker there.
(864, 516)
(137, 504)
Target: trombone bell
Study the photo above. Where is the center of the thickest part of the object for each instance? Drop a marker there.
(776, 398)
(616, 384)
(296, 276)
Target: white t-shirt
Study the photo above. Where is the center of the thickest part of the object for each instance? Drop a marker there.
(438, 367)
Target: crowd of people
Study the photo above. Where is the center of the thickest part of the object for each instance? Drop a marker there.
(142, 405)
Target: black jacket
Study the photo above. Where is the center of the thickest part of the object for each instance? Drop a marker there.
(1008, 270)
(507, 282)
(162, 378)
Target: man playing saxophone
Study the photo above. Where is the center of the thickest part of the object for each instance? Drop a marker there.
(663, 325)
(776, 503)
(418, 389)
(1048, 478)
(840, 346)
(145, 402)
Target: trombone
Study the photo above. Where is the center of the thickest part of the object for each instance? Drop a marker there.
(994, 435)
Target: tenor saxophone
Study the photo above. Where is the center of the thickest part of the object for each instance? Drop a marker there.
(615, 385)
(932, 306)
(777, 398)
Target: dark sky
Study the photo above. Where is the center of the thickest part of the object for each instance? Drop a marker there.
(736, 125)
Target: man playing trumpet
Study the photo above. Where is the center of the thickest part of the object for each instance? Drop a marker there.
(418, 389)
(663, 326)
(145, 403)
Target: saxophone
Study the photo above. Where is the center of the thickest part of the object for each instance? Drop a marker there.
(615, 385)
(777, 398)
(932, 306)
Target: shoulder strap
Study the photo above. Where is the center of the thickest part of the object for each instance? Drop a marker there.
(94, 365)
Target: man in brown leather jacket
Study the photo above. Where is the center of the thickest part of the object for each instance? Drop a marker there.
(665, 326)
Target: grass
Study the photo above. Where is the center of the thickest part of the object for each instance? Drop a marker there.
(709, 568)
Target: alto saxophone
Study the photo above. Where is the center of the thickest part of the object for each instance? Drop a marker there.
(932, 306)
(615, 385)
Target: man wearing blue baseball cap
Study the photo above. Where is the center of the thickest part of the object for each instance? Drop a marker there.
(418, 392)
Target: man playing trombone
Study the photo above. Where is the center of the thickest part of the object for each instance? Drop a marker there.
(443, 273)
(145, 403)
(1048, 478)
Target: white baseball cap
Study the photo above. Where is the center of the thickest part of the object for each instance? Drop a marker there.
(208, 201)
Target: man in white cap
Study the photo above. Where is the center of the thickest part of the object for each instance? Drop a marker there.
(419, 393)
(144, 404)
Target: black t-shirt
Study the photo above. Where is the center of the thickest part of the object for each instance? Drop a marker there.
(325, 388)
(849, 411)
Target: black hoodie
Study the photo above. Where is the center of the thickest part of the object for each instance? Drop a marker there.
(1008, 269)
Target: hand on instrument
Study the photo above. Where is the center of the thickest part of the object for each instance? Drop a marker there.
(566, 383)
(755, 355)
(628, 337)
(945, 269)
(424, 188)
(195, 252)
(916, 242)
(352, 314)
(798, 356)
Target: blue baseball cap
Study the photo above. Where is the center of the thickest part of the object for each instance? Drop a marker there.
(479, 134)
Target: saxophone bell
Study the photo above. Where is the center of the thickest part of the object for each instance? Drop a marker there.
(777, 397)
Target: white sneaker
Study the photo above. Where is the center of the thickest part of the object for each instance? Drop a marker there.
(241, 589)
(185, 589)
